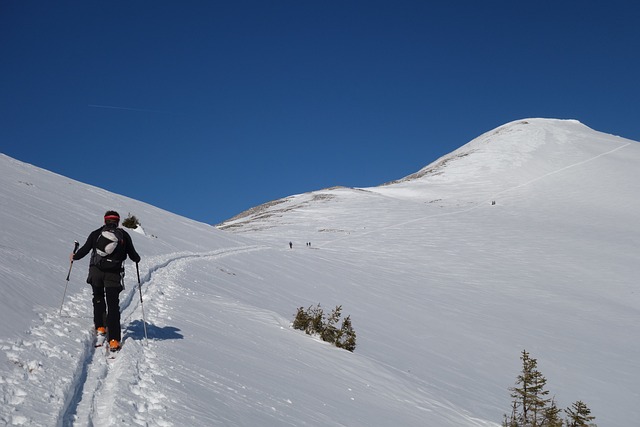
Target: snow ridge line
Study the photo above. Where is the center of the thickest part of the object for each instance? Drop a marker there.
(91, 384)
(482, 203)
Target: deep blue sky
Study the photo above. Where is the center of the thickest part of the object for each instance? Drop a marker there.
(207, 108)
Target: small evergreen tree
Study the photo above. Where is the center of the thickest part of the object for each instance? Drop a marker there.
(302, 319)
(316, 322)
(579, 415)
(511, 420)
(313, 322)
(346, 337)
(330, 331)
(529, 396)
(552, 415)
(531, 408)
(310, 320)
(131, 221)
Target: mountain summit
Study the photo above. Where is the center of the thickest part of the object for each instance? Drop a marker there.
(518, 158)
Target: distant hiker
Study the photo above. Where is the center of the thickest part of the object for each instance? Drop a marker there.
(109, 246)
(493, 203)
(290, 245)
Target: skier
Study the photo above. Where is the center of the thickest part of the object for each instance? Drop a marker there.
(106, 275)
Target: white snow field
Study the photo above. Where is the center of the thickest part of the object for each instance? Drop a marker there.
(444, 288)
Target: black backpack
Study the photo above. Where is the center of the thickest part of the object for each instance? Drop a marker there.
(109, 251)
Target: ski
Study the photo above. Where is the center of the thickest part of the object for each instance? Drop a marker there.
(111, 353)
(99, 338)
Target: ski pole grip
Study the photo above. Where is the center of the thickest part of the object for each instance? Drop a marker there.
(75, 248)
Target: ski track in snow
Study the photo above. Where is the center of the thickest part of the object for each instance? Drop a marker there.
(90, 396)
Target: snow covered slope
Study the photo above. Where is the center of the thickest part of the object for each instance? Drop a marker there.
(455, 286)
(444, 289)
(218, 310)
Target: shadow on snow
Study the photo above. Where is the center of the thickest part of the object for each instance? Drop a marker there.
(135, 331)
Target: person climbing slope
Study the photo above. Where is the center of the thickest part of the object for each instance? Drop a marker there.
(109, 246)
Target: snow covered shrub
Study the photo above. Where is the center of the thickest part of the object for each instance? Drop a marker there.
(131, 222)
(313, 322)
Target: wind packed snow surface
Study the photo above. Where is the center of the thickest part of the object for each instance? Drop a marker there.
(444, 288)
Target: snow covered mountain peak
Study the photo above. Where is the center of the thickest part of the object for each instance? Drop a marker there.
(511, 146)
(501, 160)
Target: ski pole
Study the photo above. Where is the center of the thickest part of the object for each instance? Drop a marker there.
(75, 249)
(144, 320)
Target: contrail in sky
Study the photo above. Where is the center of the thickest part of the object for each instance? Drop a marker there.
(111, 107)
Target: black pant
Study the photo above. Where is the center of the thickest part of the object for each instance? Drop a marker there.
(106, 286)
